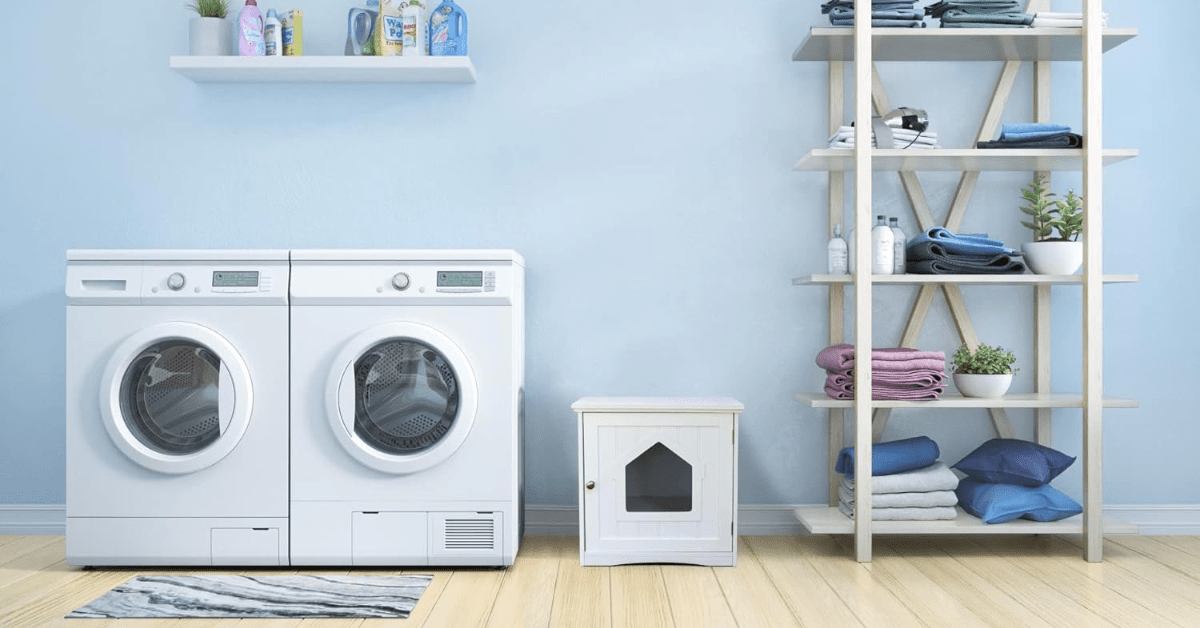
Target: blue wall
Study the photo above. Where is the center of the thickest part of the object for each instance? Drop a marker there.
(637, 153)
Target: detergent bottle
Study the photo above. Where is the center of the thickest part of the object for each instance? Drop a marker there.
(250, 31)
(448, 30)
(360, 31)
(273, 34)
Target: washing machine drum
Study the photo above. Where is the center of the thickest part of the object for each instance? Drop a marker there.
(406, 397)
(170, 397)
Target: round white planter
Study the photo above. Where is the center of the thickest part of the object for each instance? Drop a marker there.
(980, 385)
(1053, 258)
(207, 36)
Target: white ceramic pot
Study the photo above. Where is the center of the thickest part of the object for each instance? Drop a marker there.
(982, 385)
(1053, 258)
(207, 36)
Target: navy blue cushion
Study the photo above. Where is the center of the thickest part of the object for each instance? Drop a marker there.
(997, 503)
(1012, 461)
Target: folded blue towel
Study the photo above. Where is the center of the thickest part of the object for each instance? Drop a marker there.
(1032, 131)
(963, 243)
(894, 457)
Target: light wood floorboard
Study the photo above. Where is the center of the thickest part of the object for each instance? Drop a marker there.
(785, 582)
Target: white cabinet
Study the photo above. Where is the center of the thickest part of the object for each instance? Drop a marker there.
(658, 480)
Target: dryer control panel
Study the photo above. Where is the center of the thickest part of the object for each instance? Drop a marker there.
(256, 282)
(412, 283)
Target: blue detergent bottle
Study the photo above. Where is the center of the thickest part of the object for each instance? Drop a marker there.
(448, 31)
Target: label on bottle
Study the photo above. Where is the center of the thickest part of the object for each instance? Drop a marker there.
(272, 47)
(838, 261)
(900, 251)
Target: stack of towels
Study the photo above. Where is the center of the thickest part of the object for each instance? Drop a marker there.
(1035, 135)
(907, 483)
(937, 251)
(979, 14)
(886, 13)
(1049, 19)
(901, 138)
(900, 373)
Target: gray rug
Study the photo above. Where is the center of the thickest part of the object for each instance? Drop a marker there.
(260, 597)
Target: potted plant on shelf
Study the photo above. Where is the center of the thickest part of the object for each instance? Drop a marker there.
(1049, 254)
(207, 35)
(984, 372)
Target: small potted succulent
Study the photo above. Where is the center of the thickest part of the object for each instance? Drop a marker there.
(207, 34)
(1049, 254)
(984, 372)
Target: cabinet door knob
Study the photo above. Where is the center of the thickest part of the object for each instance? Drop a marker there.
(590, 485)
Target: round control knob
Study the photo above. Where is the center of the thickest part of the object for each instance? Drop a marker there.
(400, 281)
(176, 281)
(590, 485)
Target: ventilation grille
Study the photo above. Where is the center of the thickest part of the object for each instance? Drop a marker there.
(470, 534)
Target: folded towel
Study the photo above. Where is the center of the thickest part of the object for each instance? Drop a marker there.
(1031, 130)
(935, 477)
(931, 258)
(920, 377)
(884, 392)
(901, 138)
(940, 513)
(1062, 140)
(840, 357)
(962, 243)
(892, 457)
(996, 6)
(1051, 19)
(928, 499)
(898, 367)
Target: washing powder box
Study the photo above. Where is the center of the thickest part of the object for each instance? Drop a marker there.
(293, 33)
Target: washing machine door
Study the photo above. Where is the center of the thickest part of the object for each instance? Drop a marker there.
(176, 398)
(401, 398)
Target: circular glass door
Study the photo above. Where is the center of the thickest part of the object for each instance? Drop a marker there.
(177, 399)
(401, 398)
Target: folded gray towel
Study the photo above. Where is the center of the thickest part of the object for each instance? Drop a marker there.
(939, 513)
(928, 499)
(935, 477)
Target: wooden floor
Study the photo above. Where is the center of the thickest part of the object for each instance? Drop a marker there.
(806, 581)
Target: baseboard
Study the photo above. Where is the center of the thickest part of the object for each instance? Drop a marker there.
(753, 519)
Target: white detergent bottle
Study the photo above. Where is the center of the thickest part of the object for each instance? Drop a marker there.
(882, 248)
(273, 34)
(837, 253)
(899, 247)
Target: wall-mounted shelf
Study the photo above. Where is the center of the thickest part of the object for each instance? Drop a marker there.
(957, 159)
(1054, 280)
(325, 69)
(1016, 400)
(950, 44)
(828, 520)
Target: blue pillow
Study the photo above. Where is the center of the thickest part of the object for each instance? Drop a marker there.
(1012, 461)
(997, 503)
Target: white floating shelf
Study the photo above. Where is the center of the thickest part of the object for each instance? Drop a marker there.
(958, 159)
(953, 44)
(330, 69)
(809, 280)
(828, 520)
(1016, 400)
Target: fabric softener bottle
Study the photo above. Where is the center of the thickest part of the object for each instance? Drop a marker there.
(250, 31)
(448, 31)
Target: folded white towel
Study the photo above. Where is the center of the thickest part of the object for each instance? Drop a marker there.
(901, 138)
(904, 514)
(928, 499)
(935, 477)
(1062, 20)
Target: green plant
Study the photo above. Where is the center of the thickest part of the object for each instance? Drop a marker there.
(984, 360)
(1070, 216)
(1040, 207)
(210, 8)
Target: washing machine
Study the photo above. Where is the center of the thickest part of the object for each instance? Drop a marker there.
(177, 407)
(407, 407)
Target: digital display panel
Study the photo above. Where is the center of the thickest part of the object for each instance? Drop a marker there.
(460, 279)
(235, 279)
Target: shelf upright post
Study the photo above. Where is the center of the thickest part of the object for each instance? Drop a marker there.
(862, 279)
(1093, 278)
(837, 292)
(1041, 293)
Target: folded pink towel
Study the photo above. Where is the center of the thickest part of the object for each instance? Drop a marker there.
(922, 378)
(889, 366)
(889, 393)
(841, 357)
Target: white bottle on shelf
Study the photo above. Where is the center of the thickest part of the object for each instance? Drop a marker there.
(882, 248)
(837, 253)
(273, 34)
(899, 247)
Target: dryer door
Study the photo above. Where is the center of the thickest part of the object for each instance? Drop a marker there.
(177, 398)
(401, 398)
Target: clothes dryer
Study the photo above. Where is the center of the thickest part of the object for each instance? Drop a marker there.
(177, 407)
(407, 407)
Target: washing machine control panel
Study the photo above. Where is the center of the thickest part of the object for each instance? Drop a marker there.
(227, 282)
(408, 282)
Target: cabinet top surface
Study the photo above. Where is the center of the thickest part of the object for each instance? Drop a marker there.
(953, 44)
(657, 404)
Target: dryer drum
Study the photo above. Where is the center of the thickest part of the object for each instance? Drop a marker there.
(169, 397)
(406, 396)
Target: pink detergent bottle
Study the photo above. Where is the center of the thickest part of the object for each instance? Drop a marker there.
(250, 31)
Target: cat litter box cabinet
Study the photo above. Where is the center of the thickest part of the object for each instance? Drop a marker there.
(658, 480)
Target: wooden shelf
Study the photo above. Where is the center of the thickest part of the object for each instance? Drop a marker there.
(952, 44)
(329, 69)
(829, 520)
(810, 280)
(957, 159)
(1016, 400)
